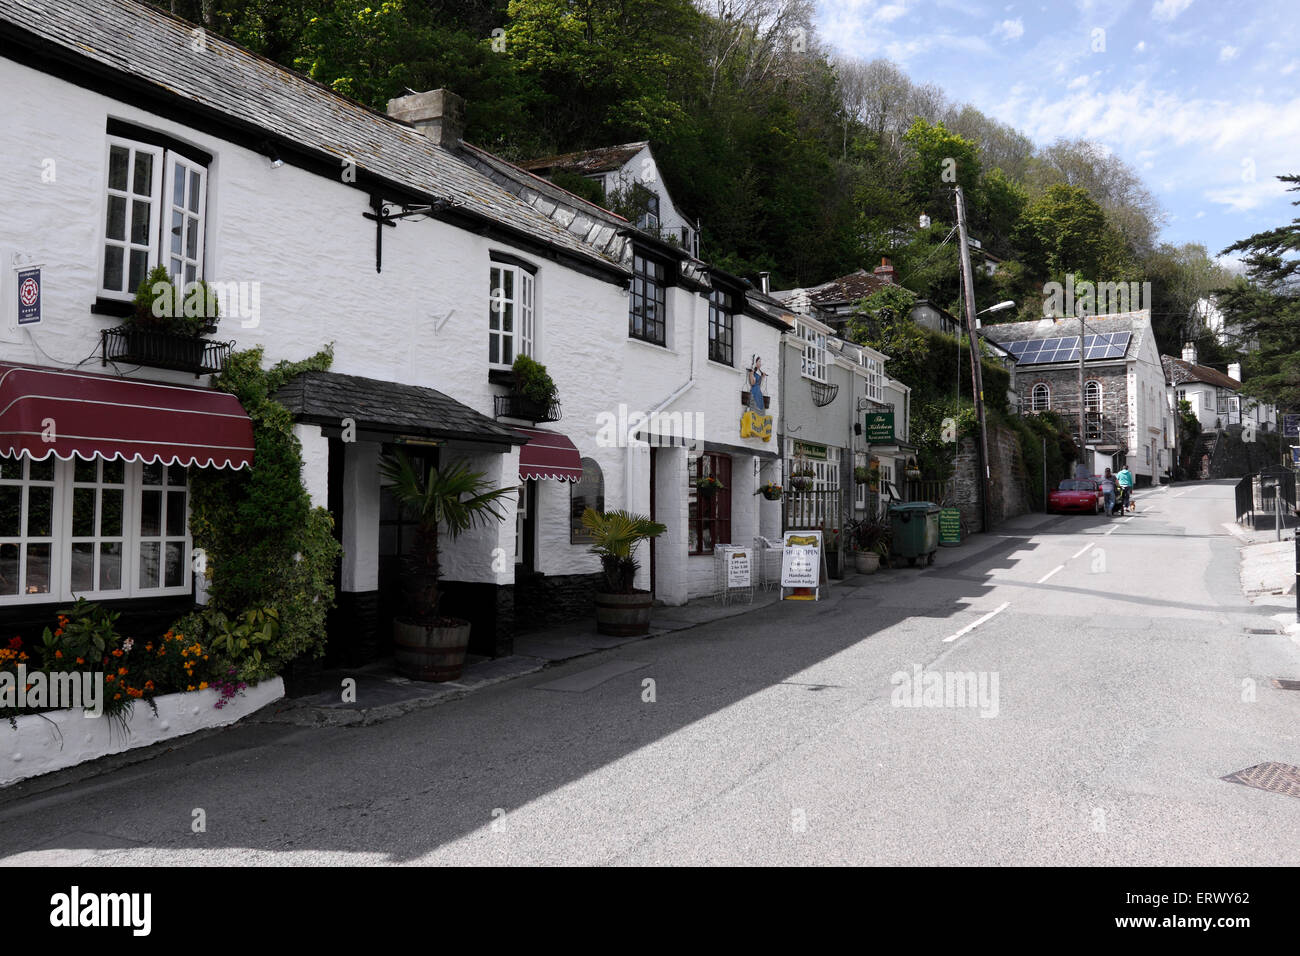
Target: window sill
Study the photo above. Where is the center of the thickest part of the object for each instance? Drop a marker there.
(661, 349)
(501, 376)
(723, 365)
(114, 307)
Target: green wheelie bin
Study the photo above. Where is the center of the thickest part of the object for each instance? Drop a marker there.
(915, 527)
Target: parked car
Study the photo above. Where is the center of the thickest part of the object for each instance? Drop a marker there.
(1077, 494)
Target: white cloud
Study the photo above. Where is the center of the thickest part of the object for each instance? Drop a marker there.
(1168, 9)
(1010, 29)
(889, 13)
(1200, 214)
(1290, 68)
(1141, 46)
(1077, 83)
(1228, 53)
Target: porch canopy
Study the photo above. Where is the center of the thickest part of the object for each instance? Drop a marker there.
(549, 455)
(46, 411)
(389, 411)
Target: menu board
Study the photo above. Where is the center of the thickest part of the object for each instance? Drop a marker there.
(949, 526)
(738, 568)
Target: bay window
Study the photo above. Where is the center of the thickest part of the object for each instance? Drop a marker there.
(814, 352)
(98, 529)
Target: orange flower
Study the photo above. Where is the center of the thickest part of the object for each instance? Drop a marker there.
(81, 660)
(148, 685)
(191, 687)
(203, 685)
(58, 654)
(109, 678)
(121, 670)
(117, 696)
(59, 632)
(117, 652)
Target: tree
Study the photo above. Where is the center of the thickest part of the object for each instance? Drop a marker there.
(1065, 231)
(1266, 309)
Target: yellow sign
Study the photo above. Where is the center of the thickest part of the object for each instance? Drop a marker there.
(754, 425)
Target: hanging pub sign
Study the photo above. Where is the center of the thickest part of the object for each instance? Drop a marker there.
(29, 296)
(880, 428)
(754, 421)
(1291, 426)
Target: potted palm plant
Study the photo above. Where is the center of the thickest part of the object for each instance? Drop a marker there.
(621, 609)
(868, 542)
(446, 501)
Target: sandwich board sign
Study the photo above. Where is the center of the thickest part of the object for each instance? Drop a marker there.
(738, 573)
(803, 566)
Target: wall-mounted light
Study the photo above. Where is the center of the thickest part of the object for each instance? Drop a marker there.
(271, 153)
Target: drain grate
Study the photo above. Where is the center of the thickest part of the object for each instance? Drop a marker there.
(1281, 684)
(1261, 630)
(1274, 777)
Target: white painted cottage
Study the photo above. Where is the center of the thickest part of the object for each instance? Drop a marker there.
(135, 138)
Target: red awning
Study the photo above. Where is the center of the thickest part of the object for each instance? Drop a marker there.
(548, 455)
(89, 415)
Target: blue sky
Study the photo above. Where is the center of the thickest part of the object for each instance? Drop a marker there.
(1201, 98)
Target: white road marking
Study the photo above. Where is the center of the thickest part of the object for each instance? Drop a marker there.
(1113, 529)
(1180, 494)
(1080, 551)
(974, 624)
(1059, 567)
(1130, 518)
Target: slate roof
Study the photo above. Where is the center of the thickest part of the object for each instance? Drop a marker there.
(1179, 372)
(329, 397)
(584, 219)
(1139, 323)
(589, 161)
(845, 290)
(151, 45)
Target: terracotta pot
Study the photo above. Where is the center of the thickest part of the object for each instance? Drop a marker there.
(623, 615)
(867, 562)
(430, 653)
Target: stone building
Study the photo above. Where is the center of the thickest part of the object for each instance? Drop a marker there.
(1126, 417)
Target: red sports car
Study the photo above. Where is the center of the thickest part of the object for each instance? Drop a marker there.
(1077, 494)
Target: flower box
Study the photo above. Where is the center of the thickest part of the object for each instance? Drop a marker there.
(58, 739)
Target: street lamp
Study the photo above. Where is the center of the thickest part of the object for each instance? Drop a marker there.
(1000, 307)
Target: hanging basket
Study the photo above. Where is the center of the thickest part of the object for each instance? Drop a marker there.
(823, 394)
(801, 482)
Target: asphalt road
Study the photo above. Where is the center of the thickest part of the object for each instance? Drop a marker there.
(1119, 681)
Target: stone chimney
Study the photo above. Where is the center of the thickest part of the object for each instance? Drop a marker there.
(1189, 352)
(765, 282)
(1234, 370)
(885, 270)
(438, 114)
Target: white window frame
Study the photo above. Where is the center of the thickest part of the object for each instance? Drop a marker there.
(1088, 388)
(813, 365)
(875, 376)
(176, 161)
(523, 312)
(860, 488)
(155, 214)
(62, 540)
(1046, 404)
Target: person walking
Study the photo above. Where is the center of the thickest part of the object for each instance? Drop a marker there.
(1108, 489)
(1125, 481)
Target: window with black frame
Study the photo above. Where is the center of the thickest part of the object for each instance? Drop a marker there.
(721, 327)
(647, 306)
(709, 511)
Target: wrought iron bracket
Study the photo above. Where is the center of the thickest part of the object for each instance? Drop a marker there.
(387, 213)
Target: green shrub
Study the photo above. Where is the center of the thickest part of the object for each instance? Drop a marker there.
(266, 545)
(533, 382)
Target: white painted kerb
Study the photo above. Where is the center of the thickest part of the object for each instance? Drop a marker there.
(59, 739)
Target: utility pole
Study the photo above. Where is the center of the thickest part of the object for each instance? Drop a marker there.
(977, 375)
(1083, 426)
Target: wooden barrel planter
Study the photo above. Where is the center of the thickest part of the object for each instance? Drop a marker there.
(623, 615)
(430, 653)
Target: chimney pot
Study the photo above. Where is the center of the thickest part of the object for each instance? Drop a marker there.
(438, 114)
(1234, 370)
(1189, 352)
(885, 270)
(765, 281)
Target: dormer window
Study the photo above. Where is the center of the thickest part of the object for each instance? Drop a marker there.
(647, 306)
(814, 352)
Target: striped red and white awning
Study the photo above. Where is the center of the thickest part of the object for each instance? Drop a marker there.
(548, 455)
(46, 411)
